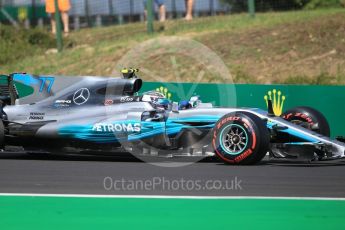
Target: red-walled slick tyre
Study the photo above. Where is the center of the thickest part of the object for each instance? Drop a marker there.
(308, 118)
(241, 138)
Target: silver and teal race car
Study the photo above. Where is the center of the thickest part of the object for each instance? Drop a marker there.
(98, 115)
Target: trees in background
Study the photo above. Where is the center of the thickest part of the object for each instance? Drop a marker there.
(313, 4)
(280, 5)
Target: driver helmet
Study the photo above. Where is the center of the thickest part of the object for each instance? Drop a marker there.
(183, 105)
(152, 96)
(163, 103)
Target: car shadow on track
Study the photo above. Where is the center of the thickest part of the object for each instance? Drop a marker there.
(101, 158)
(307, 164)
(50, 157)
(131, 158)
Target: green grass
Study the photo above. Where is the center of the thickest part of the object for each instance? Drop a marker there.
(322, 79)
(288, 47)
(18, 44)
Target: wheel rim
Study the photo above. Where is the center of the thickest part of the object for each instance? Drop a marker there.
(234, 139)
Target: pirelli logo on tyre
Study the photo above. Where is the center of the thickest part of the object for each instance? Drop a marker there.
(227, 120)
(244, 155)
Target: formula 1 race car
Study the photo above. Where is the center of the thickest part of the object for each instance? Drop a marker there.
(83, 115)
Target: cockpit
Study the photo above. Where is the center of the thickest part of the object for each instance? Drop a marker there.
(159, 101)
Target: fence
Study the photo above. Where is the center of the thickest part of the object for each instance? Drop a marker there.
(87, 13)
(102, 12)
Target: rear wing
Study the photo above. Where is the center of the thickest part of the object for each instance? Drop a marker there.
(8, 91)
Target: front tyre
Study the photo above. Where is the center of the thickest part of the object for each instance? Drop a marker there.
(308, 118)
(241, 138)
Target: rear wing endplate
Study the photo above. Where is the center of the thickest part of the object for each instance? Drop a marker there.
(8, 91)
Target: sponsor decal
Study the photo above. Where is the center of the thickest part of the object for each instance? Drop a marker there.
(36, 116)
(277, 99)
(117, 127)
(108, 102)
(226, 120)
(165, 92)
(244, 155)
(81, 96)
(62, 103)
(126, 99)
(300, 115)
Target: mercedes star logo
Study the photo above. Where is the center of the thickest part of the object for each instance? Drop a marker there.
(81, 96)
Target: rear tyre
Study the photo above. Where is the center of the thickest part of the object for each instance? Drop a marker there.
(308, 118)
(241, 138)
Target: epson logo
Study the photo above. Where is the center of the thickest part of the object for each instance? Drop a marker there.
(126, 99)
(118, 127)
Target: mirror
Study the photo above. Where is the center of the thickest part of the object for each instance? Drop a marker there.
(194, 98)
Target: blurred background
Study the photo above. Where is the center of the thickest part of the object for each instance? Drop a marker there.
(260, 41)
(88, 13)
(104, 12)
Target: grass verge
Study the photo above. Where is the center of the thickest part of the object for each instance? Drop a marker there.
(304, 47)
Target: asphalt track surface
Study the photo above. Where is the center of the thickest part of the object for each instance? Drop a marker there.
(20, 173)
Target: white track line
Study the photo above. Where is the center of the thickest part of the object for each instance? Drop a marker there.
(168, 197)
